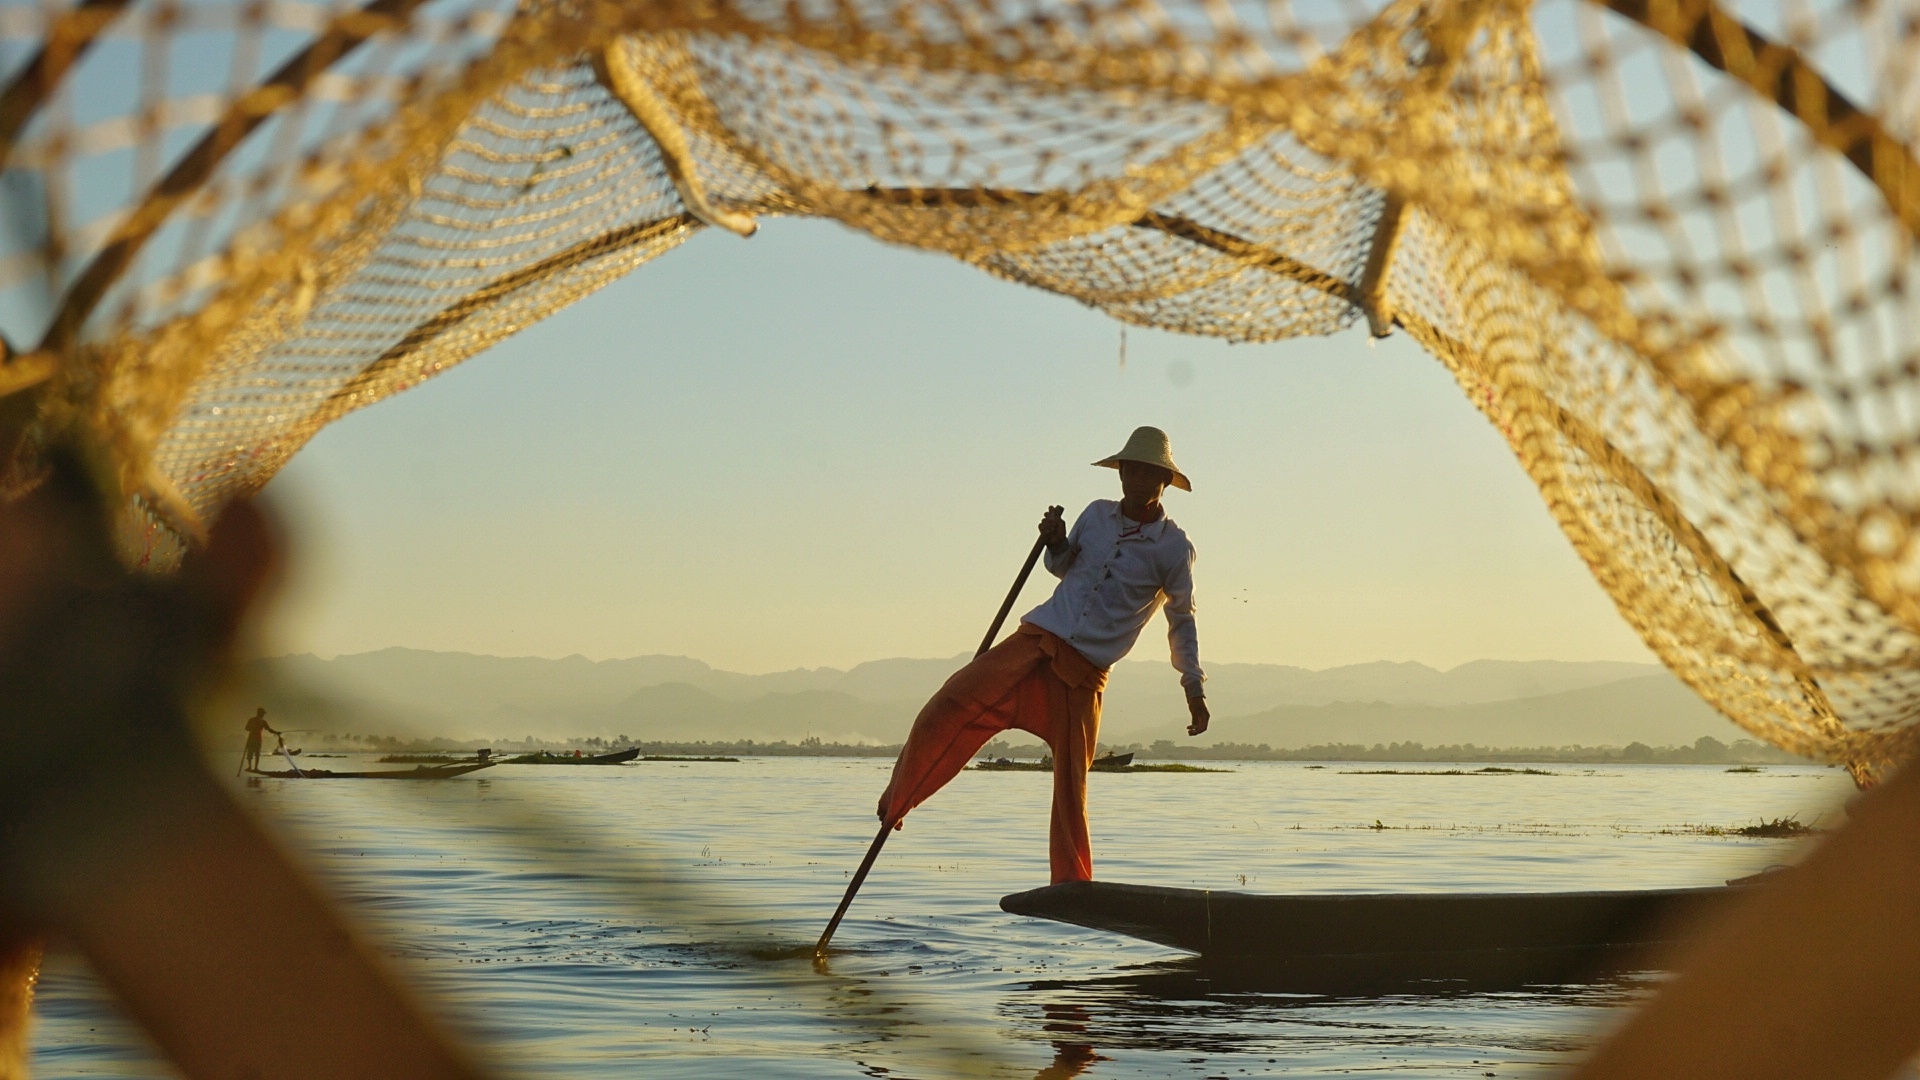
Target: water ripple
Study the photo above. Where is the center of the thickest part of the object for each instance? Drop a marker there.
(596, 922)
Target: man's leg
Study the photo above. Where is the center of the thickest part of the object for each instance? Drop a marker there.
(976, 704)
(1076, 733)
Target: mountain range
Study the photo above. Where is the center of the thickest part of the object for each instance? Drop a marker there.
(418, 693)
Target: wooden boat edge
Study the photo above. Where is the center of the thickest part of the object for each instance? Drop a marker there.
(613, 757)
(1167, 916)
(421, 772)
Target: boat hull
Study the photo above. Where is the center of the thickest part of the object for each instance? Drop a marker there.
(1358, 942)
(424, 772)
(618, 757)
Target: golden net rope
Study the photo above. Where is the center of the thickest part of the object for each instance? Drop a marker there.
(1663, 245)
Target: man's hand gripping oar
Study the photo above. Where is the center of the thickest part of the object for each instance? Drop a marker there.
(1052, 531)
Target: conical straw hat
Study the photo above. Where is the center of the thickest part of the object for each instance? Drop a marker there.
(1149, 445)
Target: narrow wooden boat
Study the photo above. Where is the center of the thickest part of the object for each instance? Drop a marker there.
(1364, 942)
(424, 772)
(1010, 765)
(618, 757)
(1105, 763)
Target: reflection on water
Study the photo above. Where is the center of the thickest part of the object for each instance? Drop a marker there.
(656, 917)
(1073, 1052)
(1176, 1013)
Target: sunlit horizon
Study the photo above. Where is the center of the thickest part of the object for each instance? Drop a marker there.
(810, 450)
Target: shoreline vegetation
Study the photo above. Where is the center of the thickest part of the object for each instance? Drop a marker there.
(1704, 751)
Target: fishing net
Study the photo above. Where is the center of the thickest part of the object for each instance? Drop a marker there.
(1663, 245)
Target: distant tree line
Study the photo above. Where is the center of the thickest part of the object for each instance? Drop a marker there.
(1704, 751)
(389, 744)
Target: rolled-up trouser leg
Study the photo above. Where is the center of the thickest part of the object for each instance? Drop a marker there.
(1074, 722)
(977, 703)
(1033, 682)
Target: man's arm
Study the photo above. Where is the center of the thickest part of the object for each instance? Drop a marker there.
(1062, 547)
(1183, 640)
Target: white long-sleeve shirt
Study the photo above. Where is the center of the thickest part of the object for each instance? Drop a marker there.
(1114, 574)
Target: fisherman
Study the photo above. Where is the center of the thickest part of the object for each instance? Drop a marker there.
(1120, 562)
(250, 757)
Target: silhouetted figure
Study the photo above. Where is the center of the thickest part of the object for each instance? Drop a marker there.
(1120, 563)
(250, 757)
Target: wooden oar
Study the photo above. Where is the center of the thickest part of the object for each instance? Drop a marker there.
(880, 838)
(282, 748)
(1013, 594)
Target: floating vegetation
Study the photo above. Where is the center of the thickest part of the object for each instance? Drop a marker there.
(1518, 828)
(1490, 770)
(1746, 768)
(670, 757)
(1786, 826)
(1170, 766)
(1776, 829)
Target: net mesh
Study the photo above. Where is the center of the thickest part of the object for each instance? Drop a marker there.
(1663, 245)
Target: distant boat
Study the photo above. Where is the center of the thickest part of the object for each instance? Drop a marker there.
(544, 758)
(1011, 765)
(1355, 943)
(1106, 763)
(424, 772)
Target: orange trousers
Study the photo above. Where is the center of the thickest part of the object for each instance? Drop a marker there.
(1037, 683)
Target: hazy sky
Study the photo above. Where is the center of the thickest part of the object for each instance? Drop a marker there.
(810, 449)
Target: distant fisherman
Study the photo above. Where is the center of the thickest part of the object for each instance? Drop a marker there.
(1118, 565)
(250, 757)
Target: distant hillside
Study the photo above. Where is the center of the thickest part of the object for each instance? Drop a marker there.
(1143, 695)
(417, 693)
(677, 712)
(1658, 710)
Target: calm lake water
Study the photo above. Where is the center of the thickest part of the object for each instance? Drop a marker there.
(617, 921)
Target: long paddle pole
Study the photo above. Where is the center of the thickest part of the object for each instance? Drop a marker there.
(1013, 594)
(282, 749)
(880, 838)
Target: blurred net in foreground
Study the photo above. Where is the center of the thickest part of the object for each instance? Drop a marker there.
(1663, 245)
